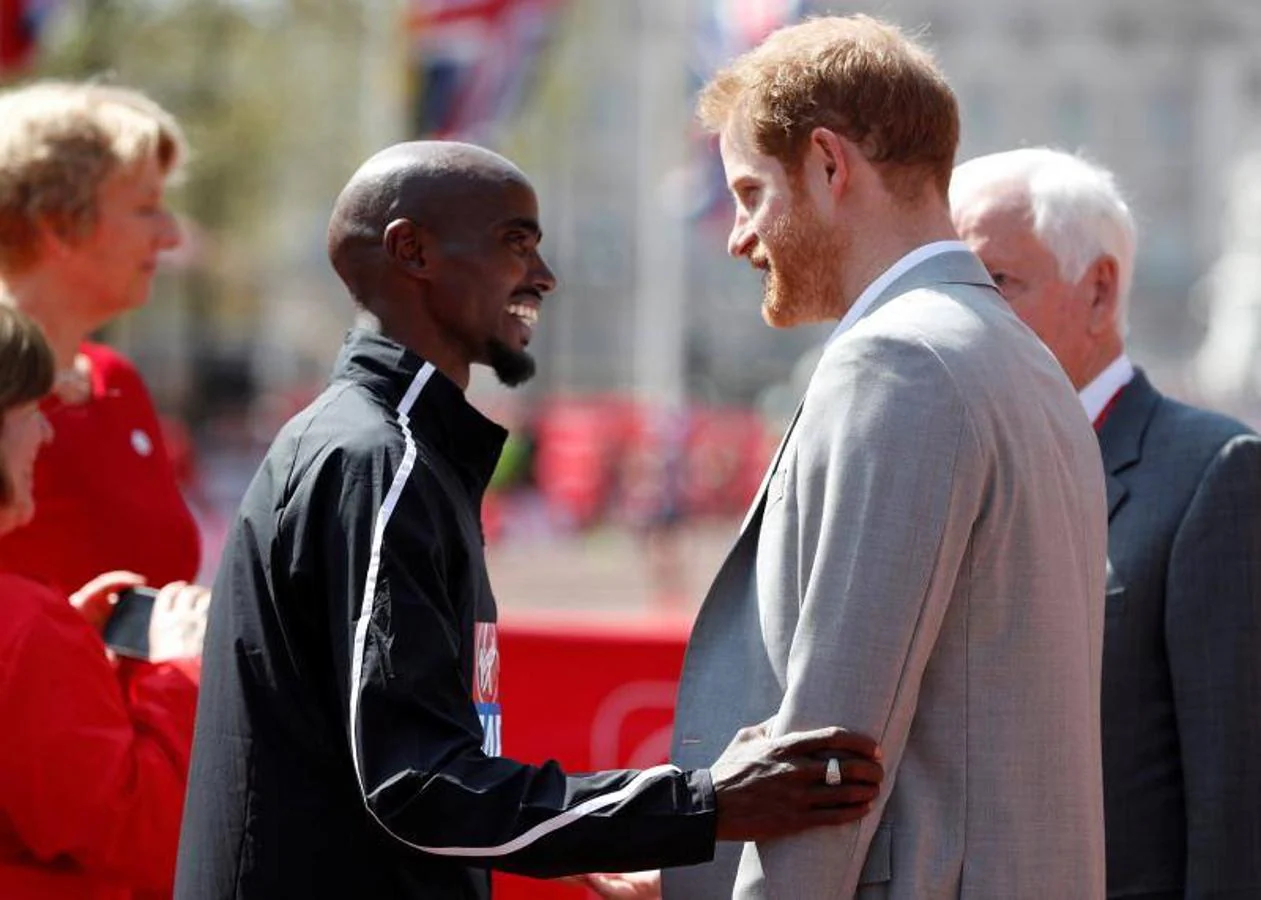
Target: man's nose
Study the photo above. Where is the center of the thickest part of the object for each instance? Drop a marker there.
(741, 236)
(543, 278)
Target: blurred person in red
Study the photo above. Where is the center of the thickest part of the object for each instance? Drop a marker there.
(654, 498)
(95, 753)
(82, 222)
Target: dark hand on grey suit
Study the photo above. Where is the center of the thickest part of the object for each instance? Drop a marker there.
(768, 787)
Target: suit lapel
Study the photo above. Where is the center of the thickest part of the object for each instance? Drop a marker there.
(1121, 437)
(1116, 492)
(952, 267)
(735, 584)
(760, 497)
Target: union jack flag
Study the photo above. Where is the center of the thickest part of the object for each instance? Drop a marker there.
(474, 60)
(723, 30)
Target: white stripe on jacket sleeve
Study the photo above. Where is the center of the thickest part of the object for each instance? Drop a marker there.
(561, 819)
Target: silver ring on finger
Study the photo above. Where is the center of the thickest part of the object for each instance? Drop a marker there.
(832, 776)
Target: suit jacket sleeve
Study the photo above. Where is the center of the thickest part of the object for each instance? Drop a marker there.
(886, 476)
(416, 735)
(1213, 633)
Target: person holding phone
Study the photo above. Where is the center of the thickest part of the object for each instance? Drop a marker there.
(95, 749)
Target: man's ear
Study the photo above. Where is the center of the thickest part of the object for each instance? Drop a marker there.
(826, 155)
(1102, 281)
(404, 243)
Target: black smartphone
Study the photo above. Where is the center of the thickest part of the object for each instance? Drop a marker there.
(127, 630)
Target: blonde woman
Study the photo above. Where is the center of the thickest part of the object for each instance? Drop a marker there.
(82, 222)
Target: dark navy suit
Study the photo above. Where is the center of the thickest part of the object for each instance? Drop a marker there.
(1182, 650)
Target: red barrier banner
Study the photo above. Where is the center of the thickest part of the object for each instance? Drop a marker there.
(592, 692)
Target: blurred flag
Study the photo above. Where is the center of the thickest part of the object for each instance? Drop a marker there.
(474, 60)
(723, 30)
(727, 28)
(20, 23)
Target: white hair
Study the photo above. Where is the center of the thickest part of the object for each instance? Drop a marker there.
(1078, 211)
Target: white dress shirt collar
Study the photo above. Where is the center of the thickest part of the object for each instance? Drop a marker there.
(1096, 396)
(890, 275)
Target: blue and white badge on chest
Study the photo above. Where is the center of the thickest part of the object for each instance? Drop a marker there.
(486, 686)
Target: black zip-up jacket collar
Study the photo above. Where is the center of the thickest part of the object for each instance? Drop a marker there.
(468, 440)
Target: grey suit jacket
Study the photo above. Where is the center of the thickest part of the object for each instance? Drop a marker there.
(925, 563)
(1182, 650)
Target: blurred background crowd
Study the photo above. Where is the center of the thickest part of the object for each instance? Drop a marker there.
(637, 448)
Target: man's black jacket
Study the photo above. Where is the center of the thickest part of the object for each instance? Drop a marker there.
(348, 723)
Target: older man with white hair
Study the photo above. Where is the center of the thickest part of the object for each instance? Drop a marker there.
(1182, 644)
